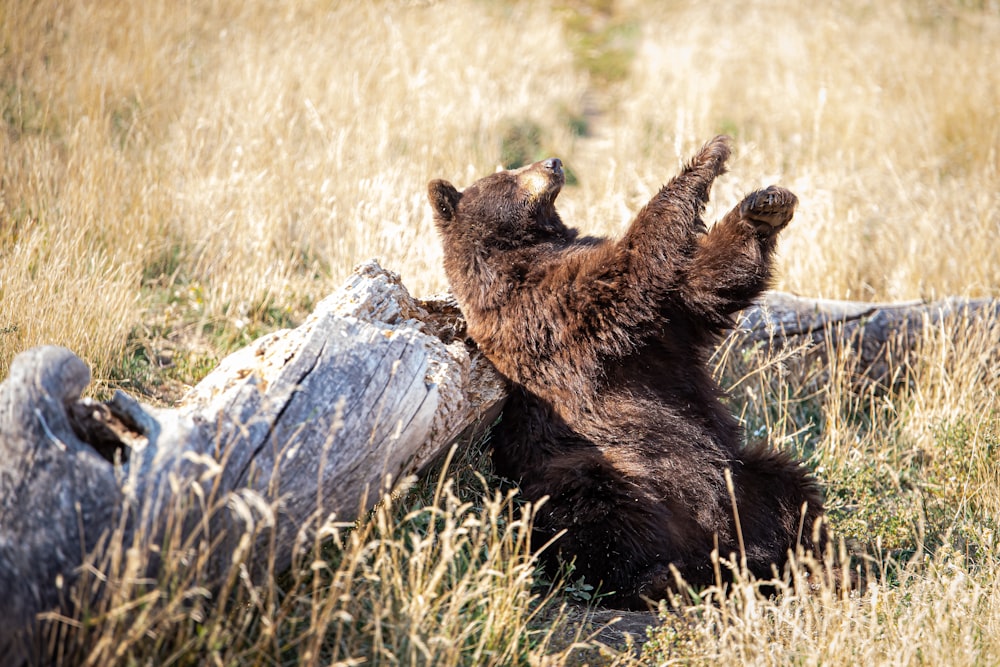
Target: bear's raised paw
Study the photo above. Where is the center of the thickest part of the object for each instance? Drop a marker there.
(769, 210)
(711, 159)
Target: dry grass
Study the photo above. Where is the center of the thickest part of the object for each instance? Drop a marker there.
(436, 579)
(180, 177)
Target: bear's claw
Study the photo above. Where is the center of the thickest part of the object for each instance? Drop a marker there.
(770, 209)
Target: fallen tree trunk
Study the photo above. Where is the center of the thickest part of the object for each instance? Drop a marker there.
(875, 338)
(300, 426)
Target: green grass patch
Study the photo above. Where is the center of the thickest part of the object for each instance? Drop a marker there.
(603, 38)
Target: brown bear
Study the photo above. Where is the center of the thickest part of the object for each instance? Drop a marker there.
(613, 413)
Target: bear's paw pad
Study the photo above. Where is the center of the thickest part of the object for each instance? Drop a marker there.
(770, 209)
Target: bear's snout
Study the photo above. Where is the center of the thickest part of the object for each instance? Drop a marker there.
(554, 165)
(541, 180)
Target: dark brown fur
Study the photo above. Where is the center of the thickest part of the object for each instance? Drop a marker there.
(613, 412)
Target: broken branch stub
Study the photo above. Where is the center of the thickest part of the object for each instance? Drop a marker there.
(57, 494)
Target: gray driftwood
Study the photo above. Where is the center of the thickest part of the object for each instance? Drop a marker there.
(300, 426)
(873, 337)
(303, 424)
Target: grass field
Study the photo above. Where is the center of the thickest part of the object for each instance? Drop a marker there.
(180, 177)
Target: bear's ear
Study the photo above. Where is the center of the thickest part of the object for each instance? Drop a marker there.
(444, 199)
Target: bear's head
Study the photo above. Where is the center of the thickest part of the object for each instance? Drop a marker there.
(490, 231)
(505, 210)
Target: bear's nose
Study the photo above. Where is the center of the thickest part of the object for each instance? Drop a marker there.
(553, 164)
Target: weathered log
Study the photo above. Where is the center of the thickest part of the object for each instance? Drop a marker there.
(875, 338)
(311, 422)
(303, 423)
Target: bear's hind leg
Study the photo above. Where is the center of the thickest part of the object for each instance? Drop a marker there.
(611, 528)
(780, 508)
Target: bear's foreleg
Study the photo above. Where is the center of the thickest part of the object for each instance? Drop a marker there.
(662, 235)
(731, 265)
